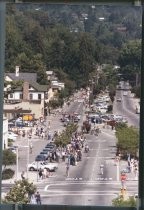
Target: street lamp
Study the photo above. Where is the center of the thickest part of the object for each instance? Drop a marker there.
(17, 159)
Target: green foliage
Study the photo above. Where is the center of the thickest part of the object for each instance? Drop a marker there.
(120, 202)
(121, 125)
(55, 103)
(7, 174)
(129, 59)
(110, 108)
(10, 142)
(136, 91)
(112, 92)
(20, 192)
(128, 138)
(46, 39)
(9, 158)
(65, 137)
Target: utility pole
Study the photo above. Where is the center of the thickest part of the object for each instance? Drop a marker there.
(17, 163)
(141, 143)
(2, 59)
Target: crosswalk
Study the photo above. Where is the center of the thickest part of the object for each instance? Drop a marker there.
(91, 188)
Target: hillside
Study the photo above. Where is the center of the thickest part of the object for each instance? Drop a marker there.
(69, 39)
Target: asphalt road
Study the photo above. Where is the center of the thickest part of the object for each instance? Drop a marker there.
(85, 185)
(126, 108)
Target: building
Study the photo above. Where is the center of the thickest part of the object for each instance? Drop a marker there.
(29, 98)
(57, 86)
(50, 75)
(5, 133)
(18, 76)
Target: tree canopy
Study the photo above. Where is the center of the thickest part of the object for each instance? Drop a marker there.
(72, 39)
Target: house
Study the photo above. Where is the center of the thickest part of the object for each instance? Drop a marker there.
(5, 133)
(50, 75)
(30, 91)
(28, 98)
(18, 76)
(57, 86)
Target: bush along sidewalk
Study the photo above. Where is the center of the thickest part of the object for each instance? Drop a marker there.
(64, 138)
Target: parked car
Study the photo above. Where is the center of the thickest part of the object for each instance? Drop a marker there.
(45, 153)
(34, 166)
(119, 99)
(50, 166)
(12, 136)
(40, 157)
(50, 146)
(13, 149)
(47, 150)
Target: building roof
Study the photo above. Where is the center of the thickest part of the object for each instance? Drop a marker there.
(23, 76)
(36, 86)
(49, 72)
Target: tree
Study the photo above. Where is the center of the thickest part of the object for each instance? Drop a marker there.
(120, 202)
(9, 158)
(20, 193)
(128, 138)
(65, 137)
(136, 91)
(129, 59)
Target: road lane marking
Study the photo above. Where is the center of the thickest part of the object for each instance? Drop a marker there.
(130, 184)
(46, 187)
(86, 194)
(95, 162)
(111, 158)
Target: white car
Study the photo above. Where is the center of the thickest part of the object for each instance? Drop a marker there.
(34, 166)
(12, 135)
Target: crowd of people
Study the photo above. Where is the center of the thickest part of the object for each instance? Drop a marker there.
(133, 167)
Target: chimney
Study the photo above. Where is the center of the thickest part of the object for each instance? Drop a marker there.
(25, 91)
(17, 71)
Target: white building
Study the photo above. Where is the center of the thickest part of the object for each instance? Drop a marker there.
(5, 133)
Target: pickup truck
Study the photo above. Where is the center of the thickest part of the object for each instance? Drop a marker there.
(36, 165)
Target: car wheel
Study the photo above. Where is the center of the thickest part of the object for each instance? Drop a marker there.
(32, 169)
(55, 169)
(48, 169)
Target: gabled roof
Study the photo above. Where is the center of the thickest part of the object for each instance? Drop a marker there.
(36, 86)
(40, 88)
(30, 77)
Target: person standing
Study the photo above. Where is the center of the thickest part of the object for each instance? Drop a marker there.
(22, 175)
(31, 147)
(33, 199)
(41, 173)
(67, 169)
(38, 198)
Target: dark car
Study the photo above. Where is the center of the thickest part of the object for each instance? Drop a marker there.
(40, 157)
(47, 149)
(51, 146)
(45, 153)
(76, 119)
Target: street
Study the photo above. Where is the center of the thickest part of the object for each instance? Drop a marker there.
(85, 184)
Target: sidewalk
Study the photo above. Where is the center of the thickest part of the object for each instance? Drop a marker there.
(131, 175)
(55, 125)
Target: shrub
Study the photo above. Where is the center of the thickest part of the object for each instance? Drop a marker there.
(7, 174)
(110, 108)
